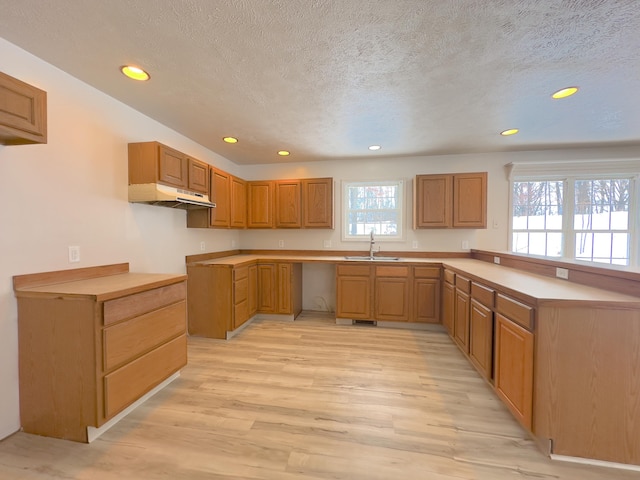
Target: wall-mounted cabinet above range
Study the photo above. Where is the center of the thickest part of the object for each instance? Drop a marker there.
(160, 175)
(23, 112)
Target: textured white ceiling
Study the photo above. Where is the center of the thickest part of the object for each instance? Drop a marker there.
(327, 78)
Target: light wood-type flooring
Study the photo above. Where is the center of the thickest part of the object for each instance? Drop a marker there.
(309, 400)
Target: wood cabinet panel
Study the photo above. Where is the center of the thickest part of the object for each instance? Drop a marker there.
(130, 382)
(317, 203)
(392, 298)
(461, 316)
(23, 112)
(481, 338)
(288, 199)
(198, 177)
(518, 312)
(252, 295)
(238, 214)
(470, 200)
(139, 303)
(173, 167)
(433, 196)
(127, 340)
(426, 294)
(514, 368)
(482, 294)
(221, 196)
(260, 205)
(353, 292)
(267, 288)
(448, 307)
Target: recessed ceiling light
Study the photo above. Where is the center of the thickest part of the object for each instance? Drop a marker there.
(135, 73)
(230, 139)
(375, 147)
(284, 153)
(511, 131)
(565, 92)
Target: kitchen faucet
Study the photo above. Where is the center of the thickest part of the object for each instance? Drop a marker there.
(371, 244)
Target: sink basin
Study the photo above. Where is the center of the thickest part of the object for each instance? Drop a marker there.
(374, 259)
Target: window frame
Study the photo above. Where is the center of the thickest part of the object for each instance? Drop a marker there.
(568, 230)
(400, 208)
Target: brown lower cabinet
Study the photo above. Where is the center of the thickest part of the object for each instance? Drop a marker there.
(461, 313)
(353, 291)
(93, 344)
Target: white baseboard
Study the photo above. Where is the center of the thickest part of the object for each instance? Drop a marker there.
(598, 463)
(93, 432)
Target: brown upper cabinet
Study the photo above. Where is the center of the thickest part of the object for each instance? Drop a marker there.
(23, 112)
(451, 201)
(317, 203)
(288, 199)
(260, 204)
(238, 203)
(153, 162)
(221, 196)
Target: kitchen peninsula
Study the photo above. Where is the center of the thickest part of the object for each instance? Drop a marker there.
(562, 356)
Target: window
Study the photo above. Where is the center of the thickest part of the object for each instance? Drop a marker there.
(586, 218)
(373, 206)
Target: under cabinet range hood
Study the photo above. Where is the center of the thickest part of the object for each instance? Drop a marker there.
(166, 196)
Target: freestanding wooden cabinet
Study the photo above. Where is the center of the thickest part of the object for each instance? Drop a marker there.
(93, 341)
(23, 112)
(450, 201)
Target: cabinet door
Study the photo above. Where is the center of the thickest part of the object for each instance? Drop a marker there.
(433, 198)
(252, 298)
(173, 167)
(481, 338)
(198, 176)
(461, 328)
(267, 288)
(448, 307)
(288, 198)
(353, 292)
(23, 112)
(283, 293)
(514, 368)
(260, 205)
(221, 196)
(392, 299)
(317, 203)
(238, 214)
(426, 294)
(240, 296)
(470, 200)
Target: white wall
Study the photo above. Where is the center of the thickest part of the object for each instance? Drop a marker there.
(73, 191)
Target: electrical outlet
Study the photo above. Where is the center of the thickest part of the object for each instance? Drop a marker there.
(414, 244)
(496, 260)
(202, 247)
(327, 244)
(465, 245)
(562, 273)
(495, 223)
(74, 254)
(281, 243)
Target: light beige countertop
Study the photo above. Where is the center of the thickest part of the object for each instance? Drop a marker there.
(537, 289)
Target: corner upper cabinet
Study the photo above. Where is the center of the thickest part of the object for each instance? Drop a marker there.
(450, 201)
(23, 112)
(317, 203)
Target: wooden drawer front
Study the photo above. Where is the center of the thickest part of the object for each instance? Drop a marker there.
(354, 270)
(386, 271)
(127, 384)
(482, 294)
(127, 340)
(139, 303)
(240, 273)
(450, 277)
(426, 272)
(240, 290)
(515, 311)
(463, 284)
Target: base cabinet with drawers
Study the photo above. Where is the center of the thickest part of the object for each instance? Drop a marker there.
(92, 342)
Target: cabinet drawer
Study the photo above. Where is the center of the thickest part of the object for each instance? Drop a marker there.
(240, 273)
(387, 271)
(354, 270)
(127, 384)
(482, 294)
(127, 340)
(426, 272)
(139, 303)
(240, 290)
(463, 284)
(450, 277)
(515, 311)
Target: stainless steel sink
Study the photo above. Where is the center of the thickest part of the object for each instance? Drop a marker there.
(374, 259)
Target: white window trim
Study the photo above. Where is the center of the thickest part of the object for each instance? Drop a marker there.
(569, 172)
(365, 237)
